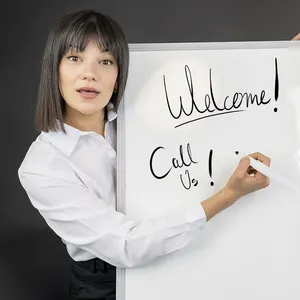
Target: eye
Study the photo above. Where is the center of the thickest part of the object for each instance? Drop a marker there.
(73, 58)
(107, 62)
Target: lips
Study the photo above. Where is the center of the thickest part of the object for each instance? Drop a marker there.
(87, 91)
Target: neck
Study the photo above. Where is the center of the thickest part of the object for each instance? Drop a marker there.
(82, 122)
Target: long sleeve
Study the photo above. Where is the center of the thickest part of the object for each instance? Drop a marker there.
(76, 214)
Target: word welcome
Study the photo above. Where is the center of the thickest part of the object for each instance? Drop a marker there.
(230, 104)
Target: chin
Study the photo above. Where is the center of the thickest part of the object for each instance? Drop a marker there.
(90, 112)
(87, 111)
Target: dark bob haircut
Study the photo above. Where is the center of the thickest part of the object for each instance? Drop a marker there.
(74, 31)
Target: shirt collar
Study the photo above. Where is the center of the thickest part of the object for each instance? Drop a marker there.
(66, 142)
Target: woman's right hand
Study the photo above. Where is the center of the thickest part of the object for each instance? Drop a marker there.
(245, 179)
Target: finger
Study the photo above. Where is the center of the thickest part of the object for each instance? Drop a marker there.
(242, 167)
(262, 158)
(259, 180)
(297, 37)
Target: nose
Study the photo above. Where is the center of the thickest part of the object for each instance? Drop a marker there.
(89, 73)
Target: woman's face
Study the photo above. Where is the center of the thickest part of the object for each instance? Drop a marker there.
(79, 71)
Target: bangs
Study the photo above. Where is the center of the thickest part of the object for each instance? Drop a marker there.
(77, 36)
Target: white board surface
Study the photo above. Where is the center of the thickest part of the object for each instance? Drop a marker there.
(250, 250)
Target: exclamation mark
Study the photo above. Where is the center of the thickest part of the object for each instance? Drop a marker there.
(276, 92)
(210, 165)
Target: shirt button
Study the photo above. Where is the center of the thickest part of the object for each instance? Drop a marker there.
(198, 231)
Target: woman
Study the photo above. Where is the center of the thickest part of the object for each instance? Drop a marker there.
(69, 171)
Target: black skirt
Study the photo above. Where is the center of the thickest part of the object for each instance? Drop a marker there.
(92, 279)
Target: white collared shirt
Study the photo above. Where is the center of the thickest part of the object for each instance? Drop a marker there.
(71, 180)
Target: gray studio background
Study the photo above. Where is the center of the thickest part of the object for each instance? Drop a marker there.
(34, 264)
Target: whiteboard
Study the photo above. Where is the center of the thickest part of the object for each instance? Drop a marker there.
(205, 103)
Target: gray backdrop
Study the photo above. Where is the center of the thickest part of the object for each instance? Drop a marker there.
(34, 264)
